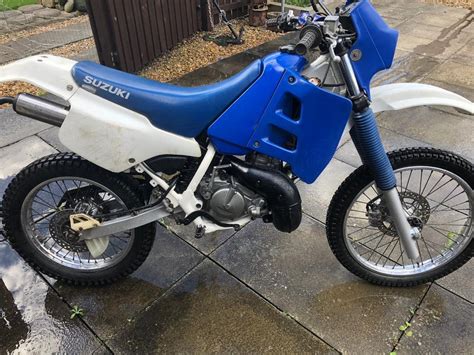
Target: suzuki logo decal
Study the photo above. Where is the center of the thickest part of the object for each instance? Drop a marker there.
(107, 87)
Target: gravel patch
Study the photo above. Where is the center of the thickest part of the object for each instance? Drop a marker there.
(467, 4)
(195, 52)
(192, 54)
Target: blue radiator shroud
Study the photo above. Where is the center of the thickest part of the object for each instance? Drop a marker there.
(286, 117)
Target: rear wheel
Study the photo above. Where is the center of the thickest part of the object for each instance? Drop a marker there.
(37, 208)
(436, 191)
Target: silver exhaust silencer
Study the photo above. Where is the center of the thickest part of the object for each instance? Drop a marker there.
(40, 109)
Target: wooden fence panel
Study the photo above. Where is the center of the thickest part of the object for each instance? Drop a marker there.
(130, 34)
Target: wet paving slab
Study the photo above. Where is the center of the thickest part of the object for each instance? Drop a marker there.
(110, 308)
(407, 67)
(298, 273)
(430, 125)
(460, 282)
(16, 156)
(14, 128)
(434, 41)
(442, 325)
(209, 311)
(33, 318)
(205, 245)
(454, 73)
(317, 197)
(391, 141)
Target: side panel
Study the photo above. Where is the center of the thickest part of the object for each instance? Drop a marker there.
(231, 132)
(116, 138)
(50, 73)
(302, 125)
(284, 116)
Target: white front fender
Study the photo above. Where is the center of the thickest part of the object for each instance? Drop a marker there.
(400, 96)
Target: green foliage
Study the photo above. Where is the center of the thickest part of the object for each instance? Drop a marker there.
(405, 326)
(13, 4)
(76, 311)
(302, 3)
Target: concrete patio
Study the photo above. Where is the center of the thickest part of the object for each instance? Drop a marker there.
(258, 290)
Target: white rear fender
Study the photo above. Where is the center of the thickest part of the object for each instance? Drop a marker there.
(48, 72)
(400, 96)
(100, 131)
(116, 138)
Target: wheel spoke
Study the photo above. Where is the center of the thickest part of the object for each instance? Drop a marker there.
(437, 198)
(49, 230)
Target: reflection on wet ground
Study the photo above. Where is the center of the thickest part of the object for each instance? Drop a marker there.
(33, 317)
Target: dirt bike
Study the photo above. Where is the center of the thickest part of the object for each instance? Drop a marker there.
(222, 155)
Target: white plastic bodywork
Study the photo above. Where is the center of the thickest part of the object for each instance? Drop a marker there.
(102, 132)
(116, 138)
(405, 95)
(50, 73)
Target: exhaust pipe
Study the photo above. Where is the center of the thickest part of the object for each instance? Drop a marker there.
(39, 109)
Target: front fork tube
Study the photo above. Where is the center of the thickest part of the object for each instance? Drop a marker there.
(366, 137)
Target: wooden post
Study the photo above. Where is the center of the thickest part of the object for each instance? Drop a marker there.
(206, 13)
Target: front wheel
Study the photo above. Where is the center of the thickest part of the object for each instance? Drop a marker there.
(436, 189)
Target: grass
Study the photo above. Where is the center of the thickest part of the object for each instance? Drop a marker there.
(13, 4)
(301, 3)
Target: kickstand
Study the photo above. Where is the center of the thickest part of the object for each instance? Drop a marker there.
(237, 38)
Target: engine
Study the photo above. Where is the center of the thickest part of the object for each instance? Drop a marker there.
(227, 200)
(257, 188)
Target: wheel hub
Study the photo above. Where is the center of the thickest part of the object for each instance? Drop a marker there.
(417, 207)
(63, 235)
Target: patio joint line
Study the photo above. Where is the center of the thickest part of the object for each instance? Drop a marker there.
(36, 135)
(314, 218)
(452, 292)
(153, 302)
(88, 327)
(282, 312)
(410, 319)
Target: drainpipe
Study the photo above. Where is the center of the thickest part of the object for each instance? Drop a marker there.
(282, 6)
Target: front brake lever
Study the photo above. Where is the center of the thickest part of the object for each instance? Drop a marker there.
(334, 57)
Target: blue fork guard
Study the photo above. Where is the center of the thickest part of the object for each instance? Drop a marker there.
(367, 139)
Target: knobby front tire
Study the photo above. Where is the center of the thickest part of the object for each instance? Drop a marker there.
(436, 189)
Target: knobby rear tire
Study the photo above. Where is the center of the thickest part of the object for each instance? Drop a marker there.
(361, 178)
(66, 165)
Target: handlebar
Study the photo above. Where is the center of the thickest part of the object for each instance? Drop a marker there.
(310, 37)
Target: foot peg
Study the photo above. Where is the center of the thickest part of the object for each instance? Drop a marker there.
(200, 232)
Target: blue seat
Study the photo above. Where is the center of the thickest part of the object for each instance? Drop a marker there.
(181, 110)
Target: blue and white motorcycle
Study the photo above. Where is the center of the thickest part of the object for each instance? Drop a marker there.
(222, 155)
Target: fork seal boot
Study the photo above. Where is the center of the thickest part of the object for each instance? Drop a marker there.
(372, 151)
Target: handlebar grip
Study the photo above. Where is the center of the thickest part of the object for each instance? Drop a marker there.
(306, 43)
(311, 37)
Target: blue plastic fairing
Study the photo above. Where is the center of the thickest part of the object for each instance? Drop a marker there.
(284, 116)
(184, 111)
(376, 41)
